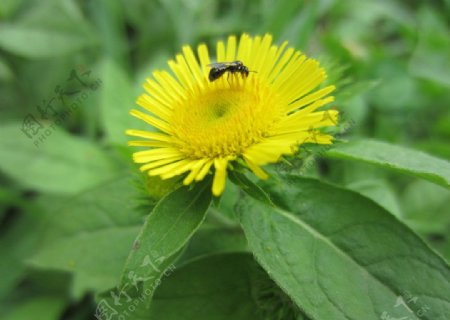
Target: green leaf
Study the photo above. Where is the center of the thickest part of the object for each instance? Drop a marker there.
(380, 191)
(249, 187)
(117, 99)
(16, 244)
(21, 236)
(213, 240)
(431, 57)
(109, 19)
(426, 207)
(167, 229)
(228, 200)
(38, 43)
(39, 308)
(338, 255)
(91, 236)
(9, 7)
(394, 157)
(213, 287)
(6, 73)
(52, 160)
(40, 295)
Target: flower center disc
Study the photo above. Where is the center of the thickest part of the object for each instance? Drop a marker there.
(224, 120)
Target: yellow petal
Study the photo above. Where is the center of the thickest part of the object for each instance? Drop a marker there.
(258, 118)
(220, 176)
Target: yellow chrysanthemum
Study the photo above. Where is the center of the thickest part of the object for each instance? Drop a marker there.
(204, 125)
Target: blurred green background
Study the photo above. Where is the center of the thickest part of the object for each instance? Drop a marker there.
(71, 70)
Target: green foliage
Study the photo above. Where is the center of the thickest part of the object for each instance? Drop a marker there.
(39, 308)
(165, 232)
(395, 157)
(90, 236)
(211, 240)
(340, 256)
(194, 291)
(59, 163)
(116, 93)
(365, 236)
(204, 295)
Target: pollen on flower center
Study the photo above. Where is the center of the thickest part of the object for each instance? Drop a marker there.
(220, 109)
(220, 105)
(224, 121)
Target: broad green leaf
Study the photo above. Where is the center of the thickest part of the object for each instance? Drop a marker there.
(212, 288)
(394, 157)
(339, 255)
(39, 43)
(380, 191)
(167, 229)
(53, 161)
(445, 248)
(91, 236)
(225, 286)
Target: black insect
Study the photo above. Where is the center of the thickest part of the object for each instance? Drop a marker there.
(218, 69)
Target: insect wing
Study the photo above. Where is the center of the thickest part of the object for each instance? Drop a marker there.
(219, 65)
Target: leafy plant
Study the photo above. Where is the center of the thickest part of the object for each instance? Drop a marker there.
(356, 230)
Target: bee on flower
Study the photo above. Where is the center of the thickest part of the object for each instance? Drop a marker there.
(265, 108)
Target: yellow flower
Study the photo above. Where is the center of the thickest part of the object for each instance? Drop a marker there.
(203, 125)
